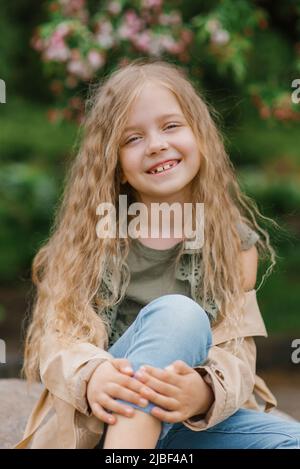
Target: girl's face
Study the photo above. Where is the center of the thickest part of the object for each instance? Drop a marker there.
(156, 133)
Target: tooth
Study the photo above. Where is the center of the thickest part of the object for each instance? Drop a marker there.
(159, 169)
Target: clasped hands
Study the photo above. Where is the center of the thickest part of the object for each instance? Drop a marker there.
(178, 391)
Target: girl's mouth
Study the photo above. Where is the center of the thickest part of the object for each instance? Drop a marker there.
(164, 168)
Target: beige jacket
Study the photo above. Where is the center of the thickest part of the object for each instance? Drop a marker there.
(62, 417)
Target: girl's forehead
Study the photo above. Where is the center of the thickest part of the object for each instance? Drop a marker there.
(160, 117)
(153, 105)
(154, 92)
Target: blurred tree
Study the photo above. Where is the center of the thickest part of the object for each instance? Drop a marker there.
(216, 42)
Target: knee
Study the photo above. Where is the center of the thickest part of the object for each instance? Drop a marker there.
(181, 314)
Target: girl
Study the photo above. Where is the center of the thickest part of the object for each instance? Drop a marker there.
(146, 337)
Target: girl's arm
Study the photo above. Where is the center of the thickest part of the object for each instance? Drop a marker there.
(231, 367)
(65, 371)
(249, 261)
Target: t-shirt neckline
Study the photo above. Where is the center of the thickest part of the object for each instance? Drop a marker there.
(157, 253)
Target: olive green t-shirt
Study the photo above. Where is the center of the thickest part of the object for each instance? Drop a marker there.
(152, 274)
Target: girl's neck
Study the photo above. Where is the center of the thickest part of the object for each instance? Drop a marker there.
(170, 238)
(160, 243)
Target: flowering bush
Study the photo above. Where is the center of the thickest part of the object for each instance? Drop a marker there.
(77, 44)
(86, 39)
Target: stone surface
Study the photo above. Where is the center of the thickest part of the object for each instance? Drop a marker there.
(16, 404)
(17, 401)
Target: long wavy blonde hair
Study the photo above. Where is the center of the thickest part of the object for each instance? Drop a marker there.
(68, 269)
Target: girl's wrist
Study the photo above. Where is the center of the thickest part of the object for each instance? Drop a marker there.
(206, 400)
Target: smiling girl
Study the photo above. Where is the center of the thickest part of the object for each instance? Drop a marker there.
(144, 337)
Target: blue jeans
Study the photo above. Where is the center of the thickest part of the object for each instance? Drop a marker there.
(169, 328)
(246, 429)
(174, 327)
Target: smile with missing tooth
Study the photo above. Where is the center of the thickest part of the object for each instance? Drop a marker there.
(164, 167)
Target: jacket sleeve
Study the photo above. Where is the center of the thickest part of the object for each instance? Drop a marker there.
(232, 378)
(230, 368)
(65, 371)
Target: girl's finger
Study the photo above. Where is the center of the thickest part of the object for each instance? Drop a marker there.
(114, 406)
(123, 365)
(164, 416)
(130, 383)
(169, 376)
(156, 381)
(168, 403)
(100, 413)
(119, 392)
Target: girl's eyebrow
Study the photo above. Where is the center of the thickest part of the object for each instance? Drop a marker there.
(163, 116)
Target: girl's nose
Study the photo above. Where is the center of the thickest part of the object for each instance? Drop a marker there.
(156, 144)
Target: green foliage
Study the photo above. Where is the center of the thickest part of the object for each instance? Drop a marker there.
(33, 154)
(279, 296)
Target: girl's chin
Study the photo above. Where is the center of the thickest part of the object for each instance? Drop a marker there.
(173, 195)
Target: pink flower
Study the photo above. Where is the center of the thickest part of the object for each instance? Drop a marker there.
(79, 69)
(220, 37)
(151, 3)
(104, 34)
(124, 32)
(170, 45)
(55, 47)
(131, 25)
(142, 41)
(75, 9)
(57, 51)
(172, 18)
(114, 7)
(134, 22)
(72, 6)
(62, 30)
(95, 59)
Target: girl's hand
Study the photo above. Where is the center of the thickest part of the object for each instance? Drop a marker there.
(178, 391)
(112, 380)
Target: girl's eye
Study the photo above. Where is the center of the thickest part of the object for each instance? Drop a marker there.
(171, 125)
(130, 140)
(133, 138)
